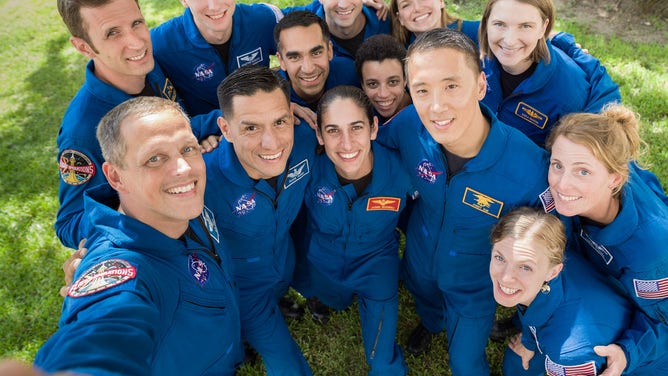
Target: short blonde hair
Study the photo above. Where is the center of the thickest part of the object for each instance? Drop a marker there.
(612, 136)
(532, 224)
(547, 12)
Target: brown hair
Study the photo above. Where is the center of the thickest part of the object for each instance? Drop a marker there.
(403, 35)
(70, 12)
(547, 12)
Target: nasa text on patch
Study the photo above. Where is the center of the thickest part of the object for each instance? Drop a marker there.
(531, 115)
(482, 202)
(102, 276)
(75, 167)
(383, 203)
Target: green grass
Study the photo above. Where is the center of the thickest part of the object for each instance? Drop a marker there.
(40, 74)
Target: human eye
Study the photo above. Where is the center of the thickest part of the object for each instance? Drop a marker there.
(421, 92)
(317, 52)
(357, 128)
(190, 150)
(583, 172)
(112, 32)
(452, 86)
(393, 82)
(499, 258)
(281, 123)
(371, 84)
(556, 166)
(138, 22)
(155, 161)
(526, 268)
(250, 128)
(332, 131)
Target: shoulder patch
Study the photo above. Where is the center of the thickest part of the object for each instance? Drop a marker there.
(555, 369)
(482, 202)
(531, 115)
(651, 289)
(278, 13)
(547, 200)
(76, 168)
(102, 276)
(296, 172)
(383, 203)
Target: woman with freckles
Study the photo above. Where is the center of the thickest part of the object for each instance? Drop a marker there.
(619, 223)
(353, 201)
(565, 307)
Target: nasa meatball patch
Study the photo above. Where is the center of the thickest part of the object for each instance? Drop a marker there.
(76, 168)
(102, 276)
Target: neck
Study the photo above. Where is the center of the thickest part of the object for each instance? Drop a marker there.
(606, 213)
(127, 83)
(172, 229)
(350, 31)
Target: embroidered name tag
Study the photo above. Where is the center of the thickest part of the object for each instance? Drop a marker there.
(252, 57)
(531, 115)
(383, 203)
(168, 90)
(482, 202)
(296, 172)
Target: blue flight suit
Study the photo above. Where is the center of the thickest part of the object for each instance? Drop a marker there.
(469, 28)
(632, 250)
(341, 72)
(195, 66)
(446, 261)
(145, 304)
(372, 26)
(79, 154)
(562, 327)
(552, 91)
(353, 249)
(254, 221)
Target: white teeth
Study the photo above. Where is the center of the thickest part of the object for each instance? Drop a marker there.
(507, 290)
(349, 155)
(385, 103)
(137, 58)
(309, 78)
(344, 12)
(442, 123)
(182, 189)
(568, 198)
(420, 18)
(217, 16)
(272, 156)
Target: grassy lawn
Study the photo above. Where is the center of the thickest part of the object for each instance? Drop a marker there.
(41, 73)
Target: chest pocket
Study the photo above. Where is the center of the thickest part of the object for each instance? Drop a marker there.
(196, 312)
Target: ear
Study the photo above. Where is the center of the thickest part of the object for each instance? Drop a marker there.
(482, 86)
(114, 176)
(224, 128)
(399, 18)
(318, 135)
(184, 3)
(545, 24)
(281, 63)
(330, 51)
(374, 129)
(615, 180)
(554, 271)
(82, 47)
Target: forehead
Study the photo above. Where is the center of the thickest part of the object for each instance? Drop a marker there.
(260, 105)
(343, 111)
(300, 38)
(387, 67)
(521, 251)
(145, 131)
(452, 63)
(109, 15)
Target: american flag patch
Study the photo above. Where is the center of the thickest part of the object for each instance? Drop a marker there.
(547, 200)
(554, 369)
(651, 289)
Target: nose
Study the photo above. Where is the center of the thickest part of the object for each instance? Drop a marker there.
(307, 65)
(382, 91)
(438, 103)
(212, 4)
(346, 140)
(182, 166)
(269, 139)
(135, 39)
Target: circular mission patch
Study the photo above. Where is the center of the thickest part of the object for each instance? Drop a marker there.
(75, 167)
